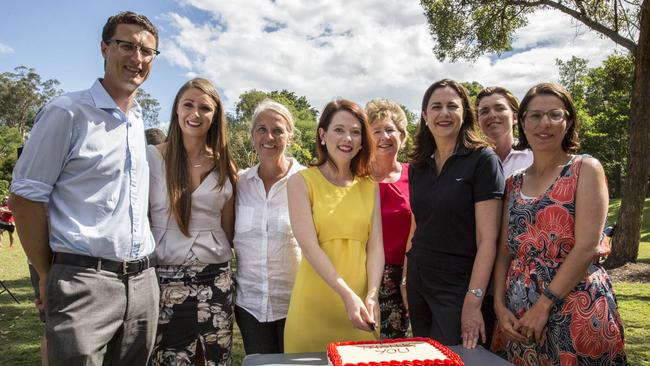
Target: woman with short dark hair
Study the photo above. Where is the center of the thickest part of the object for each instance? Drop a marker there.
(553, 300)
(496, 110)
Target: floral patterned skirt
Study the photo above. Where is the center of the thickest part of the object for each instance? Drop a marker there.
(196, 305)
(394, 318)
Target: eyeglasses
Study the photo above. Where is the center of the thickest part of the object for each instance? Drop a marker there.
(554, 115)
(129, 48)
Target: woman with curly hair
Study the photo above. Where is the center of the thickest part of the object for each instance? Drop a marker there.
(388, 128)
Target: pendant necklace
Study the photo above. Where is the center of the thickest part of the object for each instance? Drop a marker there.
(195, 165)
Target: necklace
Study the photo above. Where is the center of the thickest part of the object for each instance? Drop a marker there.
(196, 164)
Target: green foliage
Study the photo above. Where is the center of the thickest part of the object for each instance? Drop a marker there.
(467, 29)
(22, 94)
(303, 145)
(572, 77)
(246, 105)
(150, 109)
(11, 139)
(241, 146)
(411, 128)
(473, 88)
(602, 97)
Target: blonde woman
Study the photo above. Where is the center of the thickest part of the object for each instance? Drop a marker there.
(388, 131)
(267, 253)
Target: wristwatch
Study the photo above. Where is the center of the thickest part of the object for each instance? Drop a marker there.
(557, 301)
(478, 292)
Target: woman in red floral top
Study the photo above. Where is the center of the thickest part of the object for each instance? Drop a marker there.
(553, 300)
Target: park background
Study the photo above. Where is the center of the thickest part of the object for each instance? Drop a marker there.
(304, 54)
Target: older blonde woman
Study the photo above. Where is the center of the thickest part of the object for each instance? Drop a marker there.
(267, 253)
(388, 131)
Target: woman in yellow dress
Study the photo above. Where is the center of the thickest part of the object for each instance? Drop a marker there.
(335, 216)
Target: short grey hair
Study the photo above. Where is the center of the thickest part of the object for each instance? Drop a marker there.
(273, 106)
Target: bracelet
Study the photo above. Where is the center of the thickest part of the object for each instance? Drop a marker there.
(553, 297)
(403, 282)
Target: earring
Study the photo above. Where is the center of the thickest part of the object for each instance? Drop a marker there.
(322, 142)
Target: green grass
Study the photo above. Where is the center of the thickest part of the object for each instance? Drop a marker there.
(634, 298)
(20, 327)
(634, 306)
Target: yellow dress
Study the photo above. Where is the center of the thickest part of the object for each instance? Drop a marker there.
(343, 219)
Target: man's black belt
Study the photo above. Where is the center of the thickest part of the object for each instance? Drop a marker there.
(123, 268)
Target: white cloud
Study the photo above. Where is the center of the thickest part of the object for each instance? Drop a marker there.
(5, 50)
(358, 50)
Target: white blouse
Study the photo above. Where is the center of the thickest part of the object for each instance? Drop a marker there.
(207, 239)
(517, 160)
(267, 253)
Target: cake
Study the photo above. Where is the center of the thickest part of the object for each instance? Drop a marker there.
(392, 352)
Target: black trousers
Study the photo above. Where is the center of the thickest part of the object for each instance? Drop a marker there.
(436, 297)
(260, 337)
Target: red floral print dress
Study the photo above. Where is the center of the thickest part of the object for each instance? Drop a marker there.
(586, 329)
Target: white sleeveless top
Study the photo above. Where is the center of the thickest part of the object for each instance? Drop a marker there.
(207, 239)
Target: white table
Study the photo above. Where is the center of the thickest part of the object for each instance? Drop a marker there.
(471, 357)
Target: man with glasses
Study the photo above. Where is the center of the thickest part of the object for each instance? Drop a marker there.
(84, 169)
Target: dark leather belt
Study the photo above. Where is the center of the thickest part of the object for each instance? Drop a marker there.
(123, 268)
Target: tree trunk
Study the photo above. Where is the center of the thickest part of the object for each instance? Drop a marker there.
(625, 247)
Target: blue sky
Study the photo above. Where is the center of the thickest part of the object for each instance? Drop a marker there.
(321, 49)
(60, 39)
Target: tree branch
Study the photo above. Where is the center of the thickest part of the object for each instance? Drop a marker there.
(585, 19)
(581, 6)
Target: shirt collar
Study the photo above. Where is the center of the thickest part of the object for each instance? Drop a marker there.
(461, 150)
(515, 152)
(251, 173)
(103, 100)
